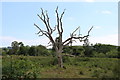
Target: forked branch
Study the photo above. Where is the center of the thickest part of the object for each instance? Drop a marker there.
(59, 26)
(73, 36)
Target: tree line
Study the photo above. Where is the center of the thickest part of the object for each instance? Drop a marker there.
(18, 48)
(96, 50)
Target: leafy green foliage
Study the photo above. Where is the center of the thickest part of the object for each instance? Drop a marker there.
(97, 50)
(18, 48)
(15, 47)
(103, 48)
(46, 67)
(116, 69)
(18, 68)
(118, 51)
(38, 61)
(88, 50)
(66, 59)
(74, 50)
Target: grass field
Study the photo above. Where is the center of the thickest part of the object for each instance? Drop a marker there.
(46, 67)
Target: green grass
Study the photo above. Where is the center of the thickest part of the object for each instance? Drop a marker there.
(46, 67)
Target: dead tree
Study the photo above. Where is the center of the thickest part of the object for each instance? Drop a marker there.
(58, 43)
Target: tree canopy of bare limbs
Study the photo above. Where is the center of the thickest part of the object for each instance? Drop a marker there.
(58, 42)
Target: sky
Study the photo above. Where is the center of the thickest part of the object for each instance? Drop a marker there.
(18, 20)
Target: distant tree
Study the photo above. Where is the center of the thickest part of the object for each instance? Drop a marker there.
(4, 51)
(41, 50)
(58, 43)
(21, 44)
(32, 51)
(88, 50)
(15, 47)
(22, 49)
(78, 50)
(105, 50)
(68, 49)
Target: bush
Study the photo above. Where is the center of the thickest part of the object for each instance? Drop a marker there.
(66, 59)
(18, 68)
(96, 73)
(100, 55)
(54, 61)
(116, 70)
(112, 54)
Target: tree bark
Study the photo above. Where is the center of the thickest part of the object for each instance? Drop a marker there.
(59, 57)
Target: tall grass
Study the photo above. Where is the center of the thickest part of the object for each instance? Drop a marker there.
(46, 67)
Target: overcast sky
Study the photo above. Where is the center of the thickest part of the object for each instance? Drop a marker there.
(18, 20)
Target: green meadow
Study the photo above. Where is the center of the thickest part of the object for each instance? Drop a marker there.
(17, 66)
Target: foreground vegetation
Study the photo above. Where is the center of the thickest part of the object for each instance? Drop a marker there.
(94, 61)
(15, 66)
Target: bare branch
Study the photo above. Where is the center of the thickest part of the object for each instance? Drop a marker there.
(44, 17)
(43, 13)
(62, 14)
(40, 17)
(49, 45)
(48, 22)
(53, 29)
(90, 30)
(57, 20)
(71, 38)
(61, 20)
(44, 21)
(84, 38)
(69, 42)
(49, 42)
(41, 31)
(75, 31)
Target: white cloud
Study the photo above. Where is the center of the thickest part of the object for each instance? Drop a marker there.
(108, 39)
(97, 27)
(106, 12)
(6, 41)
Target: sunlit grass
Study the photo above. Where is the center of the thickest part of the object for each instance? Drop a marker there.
(76, 67)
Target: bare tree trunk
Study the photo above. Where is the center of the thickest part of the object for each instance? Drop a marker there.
(59, 57)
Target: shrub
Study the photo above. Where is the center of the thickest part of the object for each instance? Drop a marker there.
(96, 73)
(100, 55)
(66, 59)
(54, 61)
(16, 68)
(112, 54)
(116, 70)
